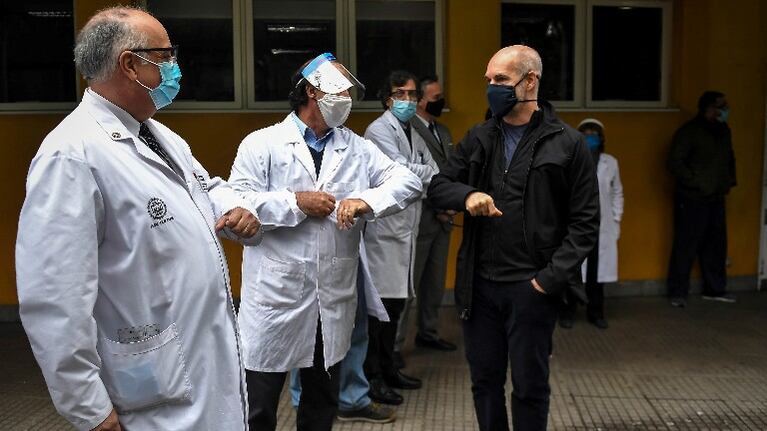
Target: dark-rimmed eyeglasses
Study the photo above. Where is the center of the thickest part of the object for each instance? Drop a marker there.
(167, 53)
(403, 94)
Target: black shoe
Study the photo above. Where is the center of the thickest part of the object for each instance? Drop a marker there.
(399, 362)
(373, 413)
(401, 381)
(599, 322)
(678, 302)
(380, 392)
(438, 344)
(566, 322)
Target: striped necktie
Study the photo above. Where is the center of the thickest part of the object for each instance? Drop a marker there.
(146, 135)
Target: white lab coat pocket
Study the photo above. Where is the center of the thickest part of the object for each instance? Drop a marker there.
(280, 284)
(344, 278)
(146, 373)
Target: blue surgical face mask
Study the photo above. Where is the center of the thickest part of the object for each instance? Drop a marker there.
(593, 142)
(403, 109)
(170, 74)
(724, 115)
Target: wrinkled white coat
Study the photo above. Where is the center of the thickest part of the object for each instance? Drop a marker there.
(306, 267)
(611, 210)
(390, 242)
(110, 239)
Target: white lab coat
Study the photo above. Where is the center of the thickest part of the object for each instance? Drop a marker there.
(306, 267)
(611, 210)
(390, 242)
(110, 239)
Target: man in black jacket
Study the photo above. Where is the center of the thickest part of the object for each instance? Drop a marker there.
(528, 185)
(702, 162)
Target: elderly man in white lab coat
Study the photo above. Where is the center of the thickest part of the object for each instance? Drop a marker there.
(310, 179)
(390, 242)
(123, 285)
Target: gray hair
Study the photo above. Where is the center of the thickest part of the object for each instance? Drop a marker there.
(103, 38)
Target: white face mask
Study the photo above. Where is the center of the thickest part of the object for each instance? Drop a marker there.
(335, 109)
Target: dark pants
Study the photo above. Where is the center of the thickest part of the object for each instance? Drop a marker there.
(510, 323)
(700, 230)
(319, 395)
(380, 359)
(595, 292)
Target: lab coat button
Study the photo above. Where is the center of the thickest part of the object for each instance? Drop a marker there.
(115, 135)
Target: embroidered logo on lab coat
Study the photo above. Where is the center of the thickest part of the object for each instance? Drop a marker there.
(158, 211)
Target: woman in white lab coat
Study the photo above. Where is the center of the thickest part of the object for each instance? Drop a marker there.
(602, 264)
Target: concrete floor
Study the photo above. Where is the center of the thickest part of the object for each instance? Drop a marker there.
(656, 368)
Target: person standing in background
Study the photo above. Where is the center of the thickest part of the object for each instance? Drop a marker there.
(390, 242)
(602, 264)
(433, 231)
(702, 162)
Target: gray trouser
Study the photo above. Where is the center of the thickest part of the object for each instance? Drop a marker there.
(429, 277)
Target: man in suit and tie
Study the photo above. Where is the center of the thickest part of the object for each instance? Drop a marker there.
(434, 228)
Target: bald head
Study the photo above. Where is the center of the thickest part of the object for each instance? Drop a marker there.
(107, 34)
(520, 59)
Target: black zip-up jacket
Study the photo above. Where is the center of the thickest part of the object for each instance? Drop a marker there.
(560, 199)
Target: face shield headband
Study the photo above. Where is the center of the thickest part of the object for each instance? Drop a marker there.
(323, 74)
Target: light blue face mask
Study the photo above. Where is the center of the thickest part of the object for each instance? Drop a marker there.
(724, 115)
(170, 74)
(593, 142)
(403, 109)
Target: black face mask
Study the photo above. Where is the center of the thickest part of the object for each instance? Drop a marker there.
(435, 108)
(503, 98)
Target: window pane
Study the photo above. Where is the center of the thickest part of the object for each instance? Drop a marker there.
(287, 33)
(36, 59)
(550, 30)
(626, 59)
(393, 35)
(203, 31)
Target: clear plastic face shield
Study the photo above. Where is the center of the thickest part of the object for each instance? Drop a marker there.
(331, 77)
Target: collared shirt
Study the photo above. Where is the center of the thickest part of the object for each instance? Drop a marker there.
(125, 118)
(431, 126)
(317, 144)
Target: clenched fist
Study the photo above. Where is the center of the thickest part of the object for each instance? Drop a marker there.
(348, 209)
(316, 204)
(241, 222)
(481, 204)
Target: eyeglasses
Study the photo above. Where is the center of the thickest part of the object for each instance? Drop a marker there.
(167, 54)
(404, 94)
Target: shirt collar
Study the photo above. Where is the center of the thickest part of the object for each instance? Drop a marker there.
(308, 134)
(130, 123)
(423, 120)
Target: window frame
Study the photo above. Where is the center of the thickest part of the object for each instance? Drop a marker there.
(47, 107)
(584, 29)
(372, 87)
(665, 54)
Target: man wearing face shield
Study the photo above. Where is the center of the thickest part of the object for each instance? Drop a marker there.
(527, 185)
(314, 183)
(122, 281)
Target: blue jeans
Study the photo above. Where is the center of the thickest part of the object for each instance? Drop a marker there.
(354, 386)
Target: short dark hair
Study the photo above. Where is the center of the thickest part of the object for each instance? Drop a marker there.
(396, 78)
(297, 96)
(707, 99)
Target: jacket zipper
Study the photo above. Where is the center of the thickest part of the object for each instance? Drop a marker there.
(524, 189)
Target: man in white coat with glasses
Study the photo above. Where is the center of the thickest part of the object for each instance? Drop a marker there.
(311, 181)
(123, 284)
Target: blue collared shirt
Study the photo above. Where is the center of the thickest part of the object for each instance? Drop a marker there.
(311, 139)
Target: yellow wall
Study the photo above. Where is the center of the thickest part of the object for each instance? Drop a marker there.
(716, 44)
